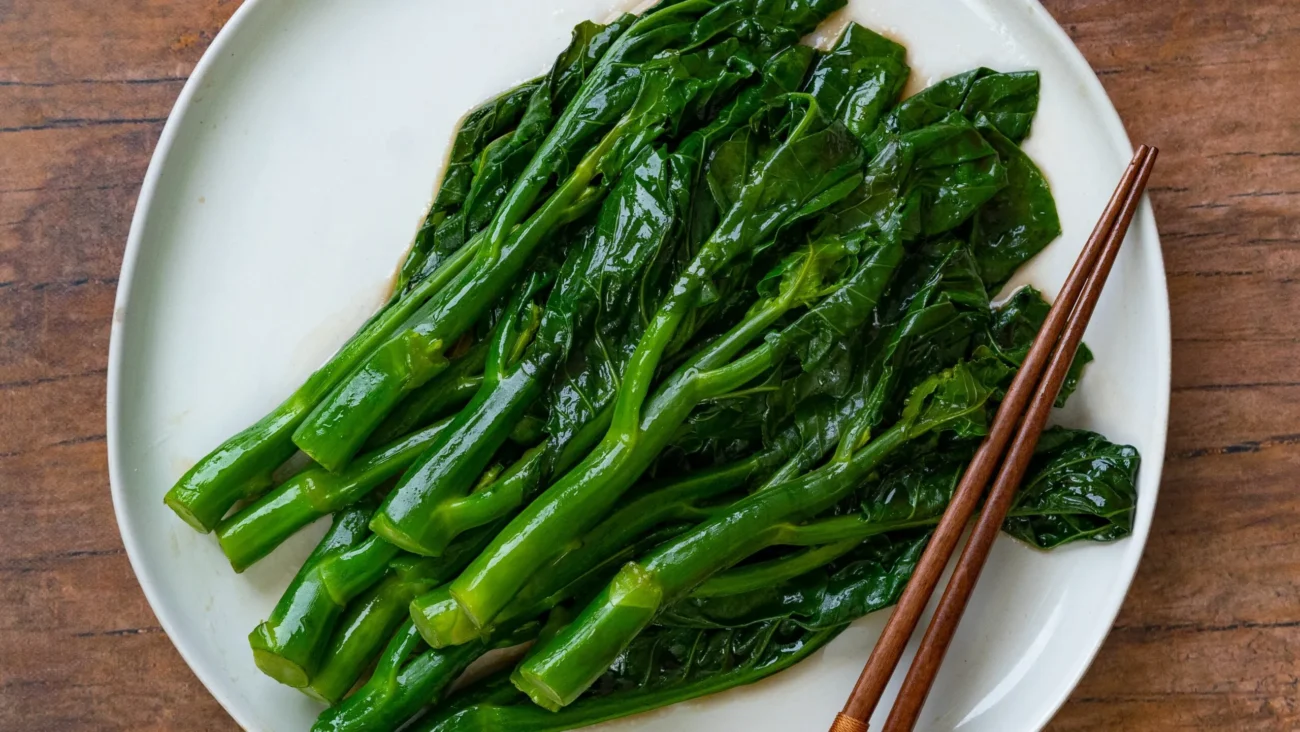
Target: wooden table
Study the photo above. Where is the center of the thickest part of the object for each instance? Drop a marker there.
(1210, 635)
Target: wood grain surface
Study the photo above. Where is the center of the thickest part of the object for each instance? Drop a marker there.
(1210, 635)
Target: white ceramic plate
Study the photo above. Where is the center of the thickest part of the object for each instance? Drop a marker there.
(289, 181)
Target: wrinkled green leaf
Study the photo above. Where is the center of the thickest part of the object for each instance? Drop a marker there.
(956, 171)
(847, 308)
(1019, 221)
(631, 228)
(883, 207)
(859, 79)
(939, 305)
(1013, 328)
(767, 24)
(1081, 488)
(1009, 101)
(587, 384)
(503, 137)
(663, 666)
(955, 400)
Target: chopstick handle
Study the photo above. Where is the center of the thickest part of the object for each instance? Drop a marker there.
(845, 723)
(934, 645)
(907, 613)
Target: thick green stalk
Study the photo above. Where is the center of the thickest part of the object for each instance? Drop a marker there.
(581, 400)
(498, 498)
(623, 537)
(852, 528)
(581, 576)
(625, 117)
(453, 516)
(635, 211)
(312, 493)
(410, 676)
(585, 495)
(494, 501)
(556, 674)
(288, 645)
(241, 467)
(426, 510)
(762, 575)
(444, 394)
(679, 502)
(482, 161)
(351, 572)
(439, 621)
(368, 624)
(399, 687)
(341, 423)
(373, 616)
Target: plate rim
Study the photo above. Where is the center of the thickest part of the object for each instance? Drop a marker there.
(1060, 40)
(1145, 221)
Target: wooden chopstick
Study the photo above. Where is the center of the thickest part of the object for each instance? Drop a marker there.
(1065, 323)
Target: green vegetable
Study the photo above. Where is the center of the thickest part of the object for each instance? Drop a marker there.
(691, 654)
(811, 335)
(818, 402)
(398, 689)
(664, 666)
(410, 675)
(802, 174)
(639, 89)
(287, 646)
(359, 636)
(383, 582)
(621, 217)
(480, 129)
(1008, 100)
(579, 402)
(1012, 332)
(558, 672)
(859, 79)
(350, 572)
(1081, 487)
(255, 530)
(1019, 221)
(615, 540)
(241, 467)
(421, 513)
(442, 396)
(765, 575)
(869, 577)
(813, 433)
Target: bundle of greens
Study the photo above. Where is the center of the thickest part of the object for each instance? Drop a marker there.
(686, 360)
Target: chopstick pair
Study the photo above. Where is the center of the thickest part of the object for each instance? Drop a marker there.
(1019, 421)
